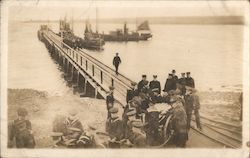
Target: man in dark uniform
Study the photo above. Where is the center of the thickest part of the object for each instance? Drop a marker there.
(174, 75)
(170, 83)
(182, 83)
(134, 132)
(138, 135)
(116, 62)
(192, 103)
(190, 81)
(155, 85)
(142, 83)
(21, 131)
(152, 125)
(131, 93)
(179, 121)
(110, 99)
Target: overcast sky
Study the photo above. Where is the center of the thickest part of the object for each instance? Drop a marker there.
(43, 10)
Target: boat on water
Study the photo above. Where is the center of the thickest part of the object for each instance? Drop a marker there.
(142, 33)
(89, 41)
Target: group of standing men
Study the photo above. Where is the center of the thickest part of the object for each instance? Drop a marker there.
(140, 121)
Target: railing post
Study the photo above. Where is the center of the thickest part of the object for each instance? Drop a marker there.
(112, 81)
(101, 77)
(85, 85)
(86, 65)
(96, 91)
(93, 70)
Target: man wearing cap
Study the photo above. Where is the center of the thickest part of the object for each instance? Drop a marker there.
(130, 117)
(116, 131)
(74, 127)
(133, 130)
(21, 130)
(110, 99)
(182, 82)
(152, 125)
(170, 84)
(192, 103)
(190, 81)
(138, 137)
(141, 84)
(179, 121)
(174, 75)
(131, 93)
(116, 62)
(155, 85)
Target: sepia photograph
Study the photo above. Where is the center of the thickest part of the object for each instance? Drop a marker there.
(136, 78)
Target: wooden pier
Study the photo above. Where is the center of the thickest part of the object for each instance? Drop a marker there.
(88, 75)
(92, 78)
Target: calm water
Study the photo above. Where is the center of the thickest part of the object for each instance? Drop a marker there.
(212, 53)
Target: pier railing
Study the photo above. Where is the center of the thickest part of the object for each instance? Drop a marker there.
(100, 73)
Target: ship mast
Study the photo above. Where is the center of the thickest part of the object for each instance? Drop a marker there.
(72, 25)
(96, 20)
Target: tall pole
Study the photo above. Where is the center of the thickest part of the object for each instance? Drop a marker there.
(72, 25)
(96, 18)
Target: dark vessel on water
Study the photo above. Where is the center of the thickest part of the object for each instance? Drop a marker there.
(142, 33)
(89, 42)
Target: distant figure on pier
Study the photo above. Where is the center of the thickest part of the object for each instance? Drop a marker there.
(21, 130)
(155, 85)
(190, 81)
(116, 62)
(170, 84)
(142, 83)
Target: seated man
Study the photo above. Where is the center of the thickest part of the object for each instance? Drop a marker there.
(74, 128)
(138, 137)
(116, 131)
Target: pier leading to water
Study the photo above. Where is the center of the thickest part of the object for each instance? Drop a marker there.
(87, 75)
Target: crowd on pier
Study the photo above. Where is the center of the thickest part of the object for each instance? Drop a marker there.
(140, 123)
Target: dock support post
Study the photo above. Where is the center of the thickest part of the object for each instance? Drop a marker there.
(96, 91)
(85, 85)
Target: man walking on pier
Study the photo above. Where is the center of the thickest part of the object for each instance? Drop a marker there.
(116, 62)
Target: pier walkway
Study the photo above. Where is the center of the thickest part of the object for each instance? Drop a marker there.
(92, 78)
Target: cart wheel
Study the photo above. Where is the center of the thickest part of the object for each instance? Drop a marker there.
(167, 130)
